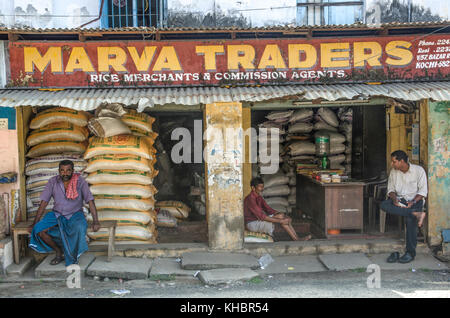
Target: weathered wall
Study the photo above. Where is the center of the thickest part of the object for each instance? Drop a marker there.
(438, 171)
(49, 13)
(223, 166)
(8, 163)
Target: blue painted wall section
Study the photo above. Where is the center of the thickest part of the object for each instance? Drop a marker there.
(10, 113)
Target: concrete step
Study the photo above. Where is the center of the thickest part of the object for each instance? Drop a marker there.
(206, 261)
(59, 271)
(166, 267)
(226, 275)
(293, 264)
(120, 267)
(15, 270)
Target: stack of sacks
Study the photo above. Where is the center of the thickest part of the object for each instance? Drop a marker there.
(300, 123)
(302, 150)
(121, 176)
(290, 172)
(169, 212)
(300, 127)
(277, 120)
(328, 122)
(56, 134)
(276, 191)
(346, 128)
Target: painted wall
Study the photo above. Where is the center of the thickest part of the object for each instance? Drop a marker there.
(8, 161)
(49, 13)
(223, 149)
(438, 170)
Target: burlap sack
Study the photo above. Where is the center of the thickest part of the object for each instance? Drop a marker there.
(108, 127)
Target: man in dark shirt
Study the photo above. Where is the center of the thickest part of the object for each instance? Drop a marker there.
(256, 219)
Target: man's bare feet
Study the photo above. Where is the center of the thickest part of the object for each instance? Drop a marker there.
(305, 238)
(420, 217)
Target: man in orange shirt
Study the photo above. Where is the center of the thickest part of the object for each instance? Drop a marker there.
(256, 219)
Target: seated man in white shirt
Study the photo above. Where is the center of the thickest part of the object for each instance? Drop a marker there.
(407, 187)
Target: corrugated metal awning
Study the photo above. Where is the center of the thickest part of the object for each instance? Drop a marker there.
(91, 98)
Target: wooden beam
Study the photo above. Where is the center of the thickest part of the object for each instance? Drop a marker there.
(423, 128)
(21, 135)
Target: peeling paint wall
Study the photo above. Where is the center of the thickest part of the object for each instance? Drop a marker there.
(438, 171)
(223, 148)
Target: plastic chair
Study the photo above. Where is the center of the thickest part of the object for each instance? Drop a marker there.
(373, 193)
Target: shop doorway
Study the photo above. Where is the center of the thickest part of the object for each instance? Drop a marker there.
(360, 152)
(181, 181)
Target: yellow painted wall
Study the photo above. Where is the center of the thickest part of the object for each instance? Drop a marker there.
(397, 134)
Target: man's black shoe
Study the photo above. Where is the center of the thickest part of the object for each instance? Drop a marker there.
(406, 258)
(393, 258)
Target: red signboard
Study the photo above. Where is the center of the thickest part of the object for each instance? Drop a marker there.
(234, 62)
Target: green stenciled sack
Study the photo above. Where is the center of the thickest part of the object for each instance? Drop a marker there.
(123, 203)
(256, 237)
(125, 189)
(126, 217)
(119, 162)
(57, 131)
(127, 233)
(59, 114)
(57, 147)
(120, 144)
(121, 177)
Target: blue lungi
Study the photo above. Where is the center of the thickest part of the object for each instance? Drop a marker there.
(70, 234)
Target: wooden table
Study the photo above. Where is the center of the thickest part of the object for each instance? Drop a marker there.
(331, 205)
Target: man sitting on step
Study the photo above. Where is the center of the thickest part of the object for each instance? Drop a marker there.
(63, 229)
(407, 188)
(256, 219)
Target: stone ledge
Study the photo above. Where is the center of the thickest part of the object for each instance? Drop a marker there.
(208, 260)
(284, 248)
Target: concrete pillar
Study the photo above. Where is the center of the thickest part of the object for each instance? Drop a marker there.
(223, 170)
(247, 164)
(438, 171)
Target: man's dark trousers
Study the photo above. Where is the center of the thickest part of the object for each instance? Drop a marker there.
(411, 221)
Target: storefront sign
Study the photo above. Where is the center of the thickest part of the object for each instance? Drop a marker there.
(182, 63)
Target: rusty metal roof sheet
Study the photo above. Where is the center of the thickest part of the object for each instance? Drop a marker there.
(90, 98)
(286, 28)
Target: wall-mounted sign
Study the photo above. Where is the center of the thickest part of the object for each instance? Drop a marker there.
(7, 118)
(234, 62)
(3, 123)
